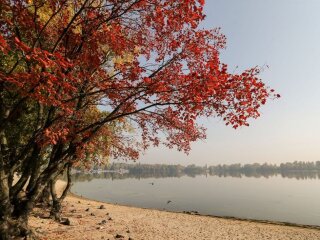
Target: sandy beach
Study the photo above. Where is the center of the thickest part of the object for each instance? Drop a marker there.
(96, 220)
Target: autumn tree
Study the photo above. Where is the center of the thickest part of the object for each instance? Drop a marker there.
(75, 74)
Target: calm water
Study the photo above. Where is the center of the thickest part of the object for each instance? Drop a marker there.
(274, 198)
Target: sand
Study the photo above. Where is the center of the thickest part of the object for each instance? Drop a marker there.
(88, 221)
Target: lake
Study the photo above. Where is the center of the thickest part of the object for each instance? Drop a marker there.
(274, 198)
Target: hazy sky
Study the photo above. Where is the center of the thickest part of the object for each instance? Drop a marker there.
(285, 35)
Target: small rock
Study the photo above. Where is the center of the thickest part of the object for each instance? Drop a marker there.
(102, 207)
(104, 221)
(130, 238)
(119, 236)
(80, 216)
(72, 205)
(79, 202)
(92, 214)
(68, 222)
(194, 213)
(128, 231)
(110, 218)
(73, 210)
(87, 210)
(100, 228)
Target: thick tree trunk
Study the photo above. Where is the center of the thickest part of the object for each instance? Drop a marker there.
(11, 228)
(5, 210)
(5, 205)
(13, 219)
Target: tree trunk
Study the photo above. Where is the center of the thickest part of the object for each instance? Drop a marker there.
(57, 201)
(5, 205)
(13, 219)
(45, 196)
(55, 212)
(12, 228)
(5, 223)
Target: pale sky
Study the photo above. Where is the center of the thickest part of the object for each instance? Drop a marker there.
(285, 35)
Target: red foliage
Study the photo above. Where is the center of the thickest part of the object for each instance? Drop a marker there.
(145, 61)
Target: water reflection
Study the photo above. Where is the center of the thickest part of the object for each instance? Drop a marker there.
(299, 175)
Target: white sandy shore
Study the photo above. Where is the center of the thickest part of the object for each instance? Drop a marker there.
(136, 223)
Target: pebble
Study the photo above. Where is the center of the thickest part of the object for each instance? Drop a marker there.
(68, 222)
(119, 236)
(103, 222)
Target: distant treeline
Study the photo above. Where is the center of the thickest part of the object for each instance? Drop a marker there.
(298, 170)
(257, 167)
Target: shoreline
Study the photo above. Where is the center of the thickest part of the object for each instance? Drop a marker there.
(192, 213)
(89, 221)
